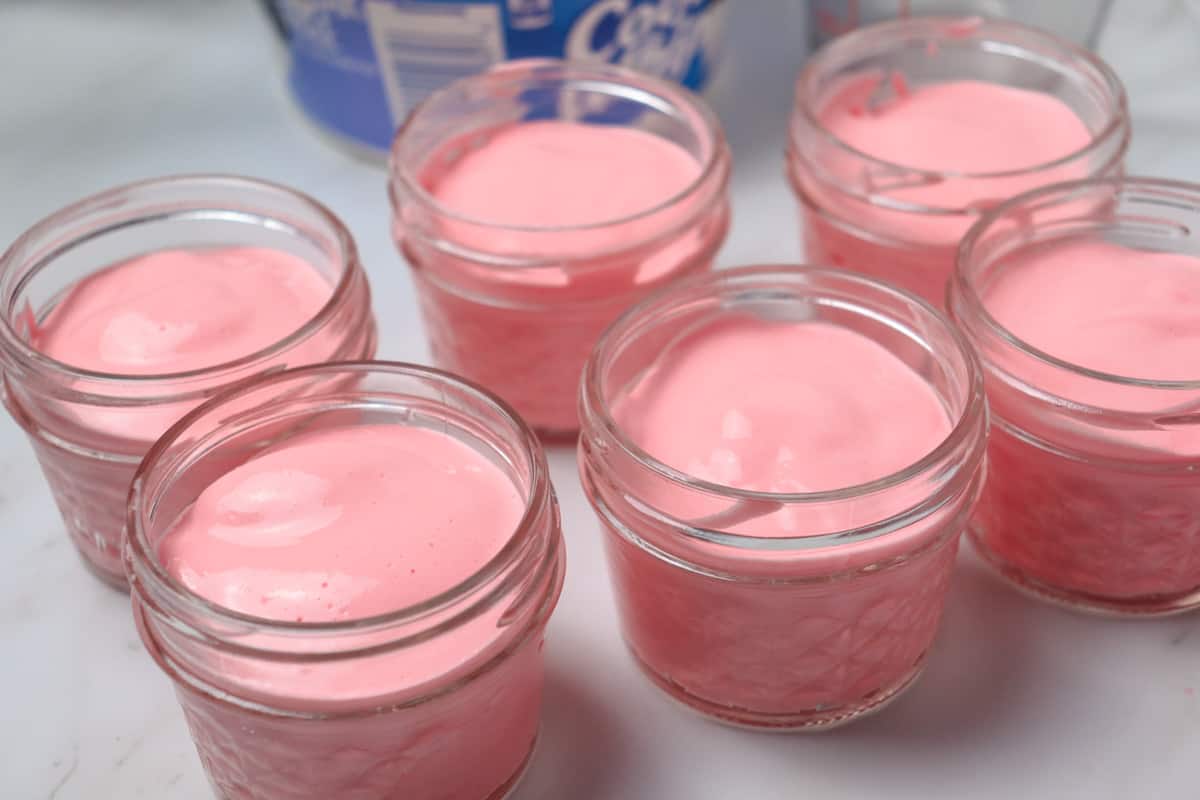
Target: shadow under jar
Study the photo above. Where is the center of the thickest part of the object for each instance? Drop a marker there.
(889, 180)
(515, 290)
(1081, 300)
(90, 427)
(439, 698)
(786, 609)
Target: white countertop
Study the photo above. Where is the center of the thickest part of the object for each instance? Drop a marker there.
(1019, 699)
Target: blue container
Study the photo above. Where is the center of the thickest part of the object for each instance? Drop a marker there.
(359, 66)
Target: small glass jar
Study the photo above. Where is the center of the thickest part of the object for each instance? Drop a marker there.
(518, 309)
(1093, 494)
(902, 224)
(90, 429)
(803, 631)
(255, 691)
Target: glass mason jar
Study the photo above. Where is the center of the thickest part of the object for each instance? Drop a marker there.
(313, 711)
(90, 429)
(902, 224)
(1093, 496)
(518, 309)
(796, 631)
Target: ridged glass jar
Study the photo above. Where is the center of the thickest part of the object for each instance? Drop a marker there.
(320, 710)
(90, 429)
(518, 309)
(833, 617)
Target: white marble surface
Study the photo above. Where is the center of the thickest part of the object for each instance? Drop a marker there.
(1019, 700)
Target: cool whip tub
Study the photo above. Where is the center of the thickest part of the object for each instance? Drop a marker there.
(904, 132)
(537, 201)
(358, 67)
(124, 311)
(783, 460)
(347, 571)
(1082, 301)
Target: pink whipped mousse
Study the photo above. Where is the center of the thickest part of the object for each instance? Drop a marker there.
(1072, 523)
(173, 311)
(342, 524)
(569, 195)
(783, 407)
(556, 174)
(957, 128)
(179, 310)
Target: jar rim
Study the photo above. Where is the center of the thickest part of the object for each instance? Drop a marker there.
(148, 577)
(649, 90)
(911, 27)
(593, 397)
(963, 286)
(21, 352)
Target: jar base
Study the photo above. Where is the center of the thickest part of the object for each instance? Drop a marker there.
(812, 721)
(1082, 602)
(114, 580)
(512, 784)
(507, 790)
(552, 437)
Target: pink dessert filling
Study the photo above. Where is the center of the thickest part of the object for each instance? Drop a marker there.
(958, 126)
(964, 127)
(179, 310)
(1083, 523)
(173, 311)
(555, 174)
(345, 524)
(569, 194)
(783, 407)
(1106, 307)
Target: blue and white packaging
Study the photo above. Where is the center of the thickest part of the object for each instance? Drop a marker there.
(359, 66)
